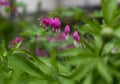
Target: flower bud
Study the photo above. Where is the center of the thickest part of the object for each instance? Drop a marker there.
(15, 41)
(76, 36)
(76, 39)
(67, 31)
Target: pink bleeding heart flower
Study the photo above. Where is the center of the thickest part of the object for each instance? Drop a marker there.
(76, 38)
(46, 22)
(67, 31)
(55, 23)
(15, 41)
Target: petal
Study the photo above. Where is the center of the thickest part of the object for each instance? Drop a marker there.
(76, 44)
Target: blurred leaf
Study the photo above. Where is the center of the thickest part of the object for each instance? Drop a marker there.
(117, 32)
(69, 52)
(32, 30)
(3, 51)
(116, 15)
(42, 64)
(103, 70)
(44, 67)
(15, 47)
(92, 23)
(108, 47)
(109, 10)
(53, 59)
(117, 43)
(16, 76)
(97, 14)
(115, 72)
(67, 13)
(63, 70)
(64, 80)
(88, 79)
(20, 4)
(26, 66)
(82, 70)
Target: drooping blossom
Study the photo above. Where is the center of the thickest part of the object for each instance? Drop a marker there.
(76, 38)
(55, 24)
(46, 22)
(67, 31)
(15, 41)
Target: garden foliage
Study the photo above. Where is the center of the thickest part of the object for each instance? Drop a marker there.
(44, 56)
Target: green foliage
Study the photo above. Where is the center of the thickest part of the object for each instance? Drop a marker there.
(95, 61)
(109, 10)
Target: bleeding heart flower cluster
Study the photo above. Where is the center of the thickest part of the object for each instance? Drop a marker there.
(76, 36)
(55, 23)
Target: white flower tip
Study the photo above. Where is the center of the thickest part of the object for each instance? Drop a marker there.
(76, 44)
(58, 30)
(67, 36)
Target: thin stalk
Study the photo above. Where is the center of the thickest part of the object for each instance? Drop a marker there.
(101, 49)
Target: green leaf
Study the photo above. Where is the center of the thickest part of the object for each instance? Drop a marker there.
(24, 65)
(3, 51)
(88, 29)
(115, 72)
(2, 77)
(92, 23)
(44, 67)
(64, 80)
(108, 47)
(32, 30)
(97, 14)
(88, 79)
(16, 76)
(53, 59)
(117, 32)
(82, 70)
(63, 70)
(69, 52)
(116, 15)
(103, 70)
(14, 49)
(20, 4)
(43, 64)
(109, 8)
(67, 13)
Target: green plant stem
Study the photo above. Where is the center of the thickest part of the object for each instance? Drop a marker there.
(101, 49)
